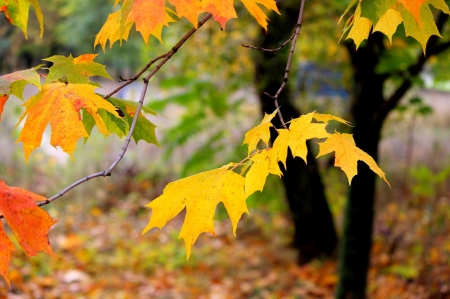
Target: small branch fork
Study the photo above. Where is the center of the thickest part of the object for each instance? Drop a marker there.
(164, 58)
(294, 39)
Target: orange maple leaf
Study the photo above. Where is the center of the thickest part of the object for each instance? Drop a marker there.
(29, 223)
(149, 15)
(59, 105)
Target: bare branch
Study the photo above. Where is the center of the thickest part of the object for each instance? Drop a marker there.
(269, 50)
(288, 64)
(111, 168)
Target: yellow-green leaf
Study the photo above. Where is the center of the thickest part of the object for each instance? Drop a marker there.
(420, 32)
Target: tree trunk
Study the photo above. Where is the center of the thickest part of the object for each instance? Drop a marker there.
(315, 235)
(356, 241)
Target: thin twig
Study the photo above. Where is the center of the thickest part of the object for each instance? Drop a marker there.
(132, 79)
(294, 39)
(111, 168)
(269, 50)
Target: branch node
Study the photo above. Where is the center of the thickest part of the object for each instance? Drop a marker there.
(174, 50)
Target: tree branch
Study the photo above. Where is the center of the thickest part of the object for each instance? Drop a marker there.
(433, 48)
(294, 39)
(165, 58)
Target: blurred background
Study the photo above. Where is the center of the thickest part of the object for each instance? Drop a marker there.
(208, 96)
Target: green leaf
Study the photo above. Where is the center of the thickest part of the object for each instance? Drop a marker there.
(145, 129)
(375, 9)
(76, 70)
(114, 125)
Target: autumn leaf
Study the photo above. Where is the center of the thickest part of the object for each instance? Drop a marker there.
(150, 16)
(420, 32)
(190, 9)
(75, 70)
(259, 133)
(59, 105)
(264, 162)
(199, 194)
(255, 10)
(386, 15)
(115, 27)
(29, 223)
(388, 23)
(16, 12)
(414, 6)
(15, 83)
(360, 29)
(145, 129)
(300, 130)
(348, 154)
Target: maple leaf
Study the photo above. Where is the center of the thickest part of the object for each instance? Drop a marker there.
(144, 129)
(260, 16)
(264, 162)
(260, 132)
(190, 9)
(200, 194)
(388, 23)
(300, 130)
(151, 15)
(420, 32)
(29, 223)
(360, 29)
(16, 13)
(348, 154)
(76, 70)
(15, 83)
(413, 6)
(59, 105)
(115, 27)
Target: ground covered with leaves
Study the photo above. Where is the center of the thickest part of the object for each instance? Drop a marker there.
(102, 254)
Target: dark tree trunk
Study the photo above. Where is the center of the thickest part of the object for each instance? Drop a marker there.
(315, 235)
(356, 241)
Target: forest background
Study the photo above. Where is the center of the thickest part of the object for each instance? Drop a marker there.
(410, 254)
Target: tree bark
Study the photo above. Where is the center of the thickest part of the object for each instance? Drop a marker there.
(315, 234)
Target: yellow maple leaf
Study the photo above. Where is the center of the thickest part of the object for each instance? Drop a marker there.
(199, 194)
(348, 155)
(300, 130)
(360, 29)
(388, 23)
(264, 163)
(255, 10)
(327, 117)
(59, 104)
(260, 132)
